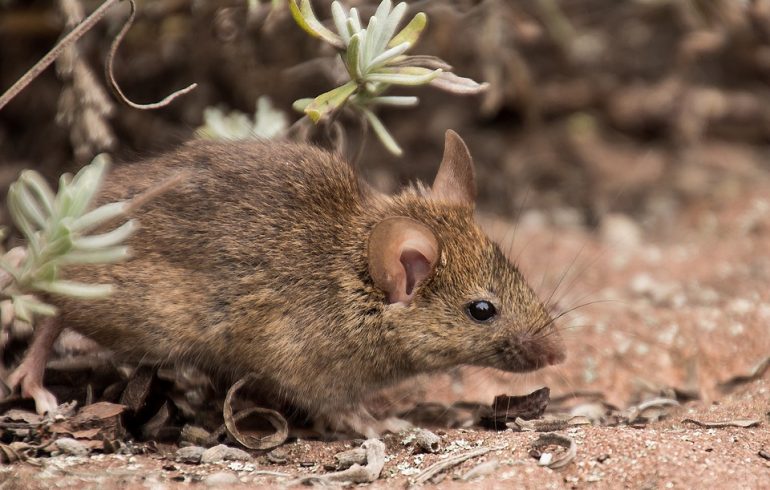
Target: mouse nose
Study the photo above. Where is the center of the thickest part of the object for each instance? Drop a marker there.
(545, 350)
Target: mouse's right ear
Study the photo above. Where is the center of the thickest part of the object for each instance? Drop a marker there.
(402, 253)
(455, 181)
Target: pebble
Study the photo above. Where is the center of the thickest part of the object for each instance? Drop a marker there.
(190, 454)
(224, 453)
(71, 447)
(220, 479)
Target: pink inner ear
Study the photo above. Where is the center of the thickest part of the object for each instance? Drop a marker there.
(417, 268)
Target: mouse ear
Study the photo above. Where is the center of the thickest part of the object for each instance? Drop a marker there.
(402, 252)
(455, 181)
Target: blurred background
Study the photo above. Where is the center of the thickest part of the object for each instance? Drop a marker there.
(627, 138)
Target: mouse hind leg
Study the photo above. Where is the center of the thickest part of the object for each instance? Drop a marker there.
(29, 374)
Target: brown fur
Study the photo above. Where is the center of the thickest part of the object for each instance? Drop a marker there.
(258, 263)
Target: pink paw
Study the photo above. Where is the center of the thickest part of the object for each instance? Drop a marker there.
(45, 401)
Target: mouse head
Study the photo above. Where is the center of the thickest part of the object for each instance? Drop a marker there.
(452, 297)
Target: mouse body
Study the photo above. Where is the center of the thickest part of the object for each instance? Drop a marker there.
(276, 259)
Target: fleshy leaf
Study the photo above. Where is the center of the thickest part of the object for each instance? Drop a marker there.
(406, 75)
(458, 85)
(411, 33)
(329, 101)
(77, 289)
(382, 133)
(305, 17)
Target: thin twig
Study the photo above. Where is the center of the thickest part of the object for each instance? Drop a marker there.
(54, 53)
(444, 465)
(111, 75)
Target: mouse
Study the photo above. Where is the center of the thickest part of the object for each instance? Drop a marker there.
(277, 259)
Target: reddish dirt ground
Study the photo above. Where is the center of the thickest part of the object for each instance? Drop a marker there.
(685, 314)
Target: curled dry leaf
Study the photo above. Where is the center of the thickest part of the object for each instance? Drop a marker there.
(650, 410)
(450, 82)
(508, 408)
(557, 461)
(742, 423)
(11, 453)
(103, 416)
(759, 371)
(251, 442)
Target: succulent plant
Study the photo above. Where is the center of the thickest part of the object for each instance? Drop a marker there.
(374, 57)
(267, 122)
(56, 228)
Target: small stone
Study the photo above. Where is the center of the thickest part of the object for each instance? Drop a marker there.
(224, 453)
(71, 446)
(220, 479)
(190, 454)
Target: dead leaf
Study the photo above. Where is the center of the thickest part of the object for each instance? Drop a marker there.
(375, 461)
(138, 388)
(756, 373)
(276, 420)
(508, 408)
(559, 461)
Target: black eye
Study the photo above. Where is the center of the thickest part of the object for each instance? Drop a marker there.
(481, 311)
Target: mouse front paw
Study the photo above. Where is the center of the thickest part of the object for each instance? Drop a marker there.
(30, 380)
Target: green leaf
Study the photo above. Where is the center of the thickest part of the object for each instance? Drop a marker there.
(329, 101)
(339, 16)
(396, 100)
(18, 216)
(101, 256)
(411, 33)
(387, 55)
(109, 239)
(77, 289)
(406, 75)
(98, 216)
(37, 307)
(299, 105)
(352, 57)
(21, 309)
(382, 133)
(390, 24)
(29, 206)
(305, 17)
(87, 183)
(41, 189)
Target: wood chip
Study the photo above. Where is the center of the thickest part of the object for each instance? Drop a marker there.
(276, 420)
(556, 461)
(741, 423)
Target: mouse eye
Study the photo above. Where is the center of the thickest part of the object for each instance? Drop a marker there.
(481, 311)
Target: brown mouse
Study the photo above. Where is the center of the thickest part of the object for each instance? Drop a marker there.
(276, 259)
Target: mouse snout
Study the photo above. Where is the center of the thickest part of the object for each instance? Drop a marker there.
(529, 352)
